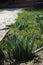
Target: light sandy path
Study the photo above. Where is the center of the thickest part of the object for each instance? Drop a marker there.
(7, 17)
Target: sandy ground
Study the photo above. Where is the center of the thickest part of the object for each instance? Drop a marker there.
(7, 17)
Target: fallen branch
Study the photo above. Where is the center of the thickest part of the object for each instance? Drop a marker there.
(37, 50)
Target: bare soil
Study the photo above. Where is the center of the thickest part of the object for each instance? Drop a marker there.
(36, 61)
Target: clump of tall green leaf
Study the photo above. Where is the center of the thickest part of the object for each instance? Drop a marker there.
(39, 19)
(25, 36)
